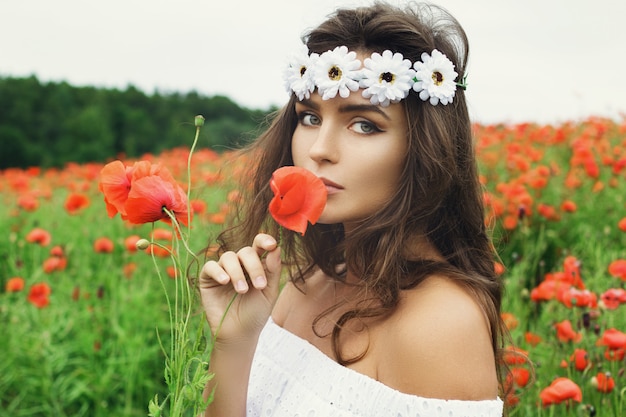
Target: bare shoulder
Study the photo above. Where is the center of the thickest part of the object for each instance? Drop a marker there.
(438, 344)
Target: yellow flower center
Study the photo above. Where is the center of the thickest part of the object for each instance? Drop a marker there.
(437, 77)
(334, 73)
(386, 76)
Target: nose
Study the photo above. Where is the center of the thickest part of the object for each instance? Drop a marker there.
(325, 148)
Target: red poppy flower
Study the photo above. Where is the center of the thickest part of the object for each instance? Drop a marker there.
(103, 245)
(28, 202)
(613, 298)
(498, 268)
(54, 263)
(151, 194)
(568, 206)
(580, 358)
(612, 339)
(573, 297)
(129, 269)
(15, 284)
(198, 206)
(510, 321)
(76, 202)
(115, 185)
(159, 251)
(520, 376)
(548, 289)
(171, 271)
(561, 389)
(57, 251)
(38, 295)
(532, 338)
(565, 332)
(130, 243)
(514, 356)
(614, 355)
(618, 269)
(39, 236)
(299, 198)
(571, 268)
(162, 234)
(603, 382)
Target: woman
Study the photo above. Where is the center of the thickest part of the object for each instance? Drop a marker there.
(392, 306)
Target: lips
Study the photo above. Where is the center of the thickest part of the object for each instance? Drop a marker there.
(331, 187)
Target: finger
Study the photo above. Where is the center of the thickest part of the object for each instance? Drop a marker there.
(252, 264)
(230, 262)
(273, 267)
(212, 272)
(263, 243)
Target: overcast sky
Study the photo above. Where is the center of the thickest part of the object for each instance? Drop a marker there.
(530, 60)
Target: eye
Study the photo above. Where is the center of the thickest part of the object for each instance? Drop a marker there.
(365, 128)
(308, 119)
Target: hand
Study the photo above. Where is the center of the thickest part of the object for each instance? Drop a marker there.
(221, 280)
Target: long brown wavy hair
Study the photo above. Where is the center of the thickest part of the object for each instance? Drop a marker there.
(439, 196)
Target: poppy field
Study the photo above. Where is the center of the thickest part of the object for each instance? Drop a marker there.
(85, 313)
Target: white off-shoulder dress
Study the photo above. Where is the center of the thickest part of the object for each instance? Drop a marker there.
(292, 378)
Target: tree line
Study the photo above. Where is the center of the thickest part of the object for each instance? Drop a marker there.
(50, 124)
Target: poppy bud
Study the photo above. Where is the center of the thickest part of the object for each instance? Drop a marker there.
(142, 244)
(586, 320)
(199, 120)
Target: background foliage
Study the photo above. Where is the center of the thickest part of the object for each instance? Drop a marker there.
(50, 124)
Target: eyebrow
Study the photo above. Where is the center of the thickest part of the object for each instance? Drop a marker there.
(350, 108)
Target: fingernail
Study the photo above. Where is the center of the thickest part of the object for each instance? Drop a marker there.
(240, 286)
(269, 242)
(260, 282)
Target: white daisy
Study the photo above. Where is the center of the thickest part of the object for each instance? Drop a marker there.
(337, 71)
(387, 78)
(435, 78)
(298, 75)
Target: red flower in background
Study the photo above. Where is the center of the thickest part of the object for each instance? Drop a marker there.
(39, 236)
(131, 243)
(561, 389)
(520, 376)
(612, 339)
(613, 298)
(76, 202)
(103, 245)
(580, 358)
(28, 202)
(39, 295)
(573, 297)
(532, 338)
(14, 284)
(54, 263)
(618, 269)
(57, 251)
(603, 382)
(565, 332)
(513, 355)
(299, 198)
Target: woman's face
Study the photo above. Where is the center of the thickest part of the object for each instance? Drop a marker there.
(356, 148)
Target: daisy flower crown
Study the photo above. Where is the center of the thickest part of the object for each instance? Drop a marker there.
(385, 78)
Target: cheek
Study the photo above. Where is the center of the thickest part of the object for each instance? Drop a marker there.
(298, 151)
